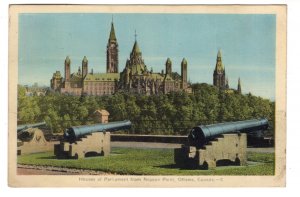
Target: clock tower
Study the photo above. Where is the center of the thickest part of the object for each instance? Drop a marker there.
(112, 60)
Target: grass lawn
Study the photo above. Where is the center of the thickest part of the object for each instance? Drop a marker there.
(149, 162)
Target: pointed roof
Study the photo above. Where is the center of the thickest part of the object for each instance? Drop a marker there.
(85, 59)
(219, 53)
(239, 88)
(136, 48)
(220, 68)
(169, 61)
(112, 35)
(67, 59)
(184, 61)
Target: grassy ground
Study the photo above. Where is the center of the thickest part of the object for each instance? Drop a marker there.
(149, 162)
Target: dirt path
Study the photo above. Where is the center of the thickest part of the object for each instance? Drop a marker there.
(49, 170)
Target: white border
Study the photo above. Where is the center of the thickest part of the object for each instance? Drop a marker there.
(293, 133)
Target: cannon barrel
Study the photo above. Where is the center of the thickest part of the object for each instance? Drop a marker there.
(201, 134)
(26, 126)
(78, 131)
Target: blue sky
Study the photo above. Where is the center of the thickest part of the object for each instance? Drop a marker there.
(247, 43)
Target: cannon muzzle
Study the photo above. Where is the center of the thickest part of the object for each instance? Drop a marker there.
(202, 134)
(76, 132)
(26, 126)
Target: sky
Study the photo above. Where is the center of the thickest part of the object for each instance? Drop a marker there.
(247, 43)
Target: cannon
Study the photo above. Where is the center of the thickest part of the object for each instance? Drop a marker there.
(26, 126)
(31, 139)
(202, 134)
(76, 132)
(88, 140)
(218, 144)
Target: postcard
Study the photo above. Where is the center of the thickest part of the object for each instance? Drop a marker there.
(147, 95)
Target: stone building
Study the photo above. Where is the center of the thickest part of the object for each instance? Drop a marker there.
(219, 77)
(239, 88)
(135, 77)
(112, 56)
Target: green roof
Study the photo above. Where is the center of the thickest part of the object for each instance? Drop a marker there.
(138, 68)
(219, 64)
(85, 59)
(75, 77)
(220, 67)
(112, 35)
(136, 48)
(219, 53)
(160, 76)
(169, 61)
(68, 59)
(57, 74)
(184, 61)
(102, 77)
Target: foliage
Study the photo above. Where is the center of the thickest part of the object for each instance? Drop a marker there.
(174, 113)
(158, 162)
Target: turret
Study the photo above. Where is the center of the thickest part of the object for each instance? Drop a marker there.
(219, 72)
(112, 59)
(67, 72)
(84, 67)
(226, 83)
(239, 88)
(184, 74)
(67, 68)
(169, 67)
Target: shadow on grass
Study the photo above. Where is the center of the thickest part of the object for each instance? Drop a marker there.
(180, 167)
(57, 158)
(48, 157)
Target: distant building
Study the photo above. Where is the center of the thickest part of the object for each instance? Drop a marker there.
(219, 73)
(239, 88)
(219, 77)
(35, 90)
(135, 77)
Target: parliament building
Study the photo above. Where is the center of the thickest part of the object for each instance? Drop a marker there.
(219, 77)
(135, 77)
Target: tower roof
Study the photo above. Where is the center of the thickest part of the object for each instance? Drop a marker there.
(239, 88)
(136, 48)
(219, 53)
(184, 61)
(67, 59)
(220, 68)
(169, 61)
(85, 59)
(112, 35)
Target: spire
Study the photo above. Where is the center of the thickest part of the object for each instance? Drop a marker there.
(183, 61)
(136, 48)
(67, 59)
(239, 88)
(112, 35)
(226, 83)
(219, 53)
(84, 59)
(219, 65)
(169, 61)
(79, 70)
